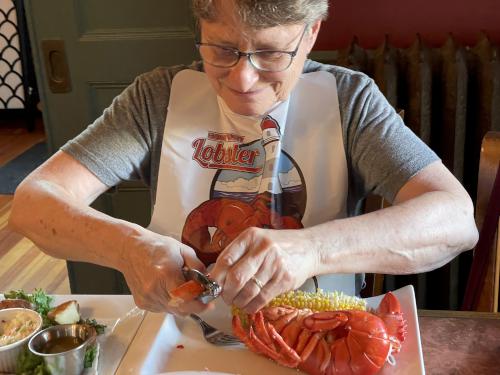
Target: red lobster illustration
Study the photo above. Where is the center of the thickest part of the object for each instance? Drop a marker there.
(230, 217)
(328, 342)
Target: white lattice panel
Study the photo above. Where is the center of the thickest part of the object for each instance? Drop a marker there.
(11, 76)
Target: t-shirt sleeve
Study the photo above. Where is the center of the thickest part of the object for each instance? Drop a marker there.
(382, 151)
(117, 146)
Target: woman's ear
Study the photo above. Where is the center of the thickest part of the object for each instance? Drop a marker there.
(312, 35)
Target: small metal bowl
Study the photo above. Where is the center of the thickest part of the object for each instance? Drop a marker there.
(70, 362)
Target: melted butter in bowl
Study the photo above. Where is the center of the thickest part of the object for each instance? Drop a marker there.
(63, 347)
(61, 344)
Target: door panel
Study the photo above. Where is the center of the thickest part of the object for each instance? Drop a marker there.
(106, 45)
(132, 14)
(101, 94)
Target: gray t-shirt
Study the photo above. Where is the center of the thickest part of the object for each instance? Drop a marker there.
(382, 153)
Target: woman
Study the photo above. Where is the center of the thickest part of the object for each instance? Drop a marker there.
(253, 139)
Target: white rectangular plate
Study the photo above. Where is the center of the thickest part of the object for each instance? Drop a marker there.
(156, 349)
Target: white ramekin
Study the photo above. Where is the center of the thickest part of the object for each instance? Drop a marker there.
(9, 353)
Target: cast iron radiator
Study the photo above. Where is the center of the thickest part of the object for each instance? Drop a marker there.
(451, 98)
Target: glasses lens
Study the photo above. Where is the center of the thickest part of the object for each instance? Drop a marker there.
(271, 61)
(218, 56)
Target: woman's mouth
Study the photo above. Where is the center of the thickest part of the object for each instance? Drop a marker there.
(246, 94)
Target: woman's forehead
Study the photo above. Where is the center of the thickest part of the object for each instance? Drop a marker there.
(239, 34)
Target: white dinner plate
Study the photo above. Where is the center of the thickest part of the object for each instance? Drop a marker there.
(169, 345)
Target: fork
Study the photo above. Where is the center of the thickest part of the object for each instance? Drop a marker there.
(213, 335)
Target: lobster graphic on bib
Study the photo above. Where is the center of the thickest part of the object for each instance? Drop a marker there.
(274, 197)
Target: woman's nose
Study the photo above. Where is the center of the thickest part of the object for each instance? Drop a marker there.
(243, 75)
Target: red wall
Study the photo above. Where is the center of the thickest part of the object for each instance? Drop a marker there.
(370, 20)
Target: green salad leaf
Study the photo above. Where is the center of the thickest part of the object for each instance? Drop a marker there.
(42, 301)
(90, 354)
(30, 364)
(99, 328)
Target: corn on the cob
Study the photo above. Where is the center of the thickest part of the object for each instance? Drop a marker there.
(318, 301)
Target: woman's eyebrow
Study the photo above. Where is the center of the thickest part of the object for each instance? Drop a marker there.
(268, 46)
(219, 41)
(271, 46)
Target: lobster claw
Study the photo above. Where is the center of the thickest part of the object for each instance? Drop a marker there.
(211, 289)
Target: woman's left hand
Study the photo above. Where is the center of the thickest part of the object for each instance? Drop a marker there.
(263, 263)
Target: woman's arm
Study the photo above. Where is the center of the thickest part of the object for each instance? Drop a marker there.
(429, 224)
(51, 207)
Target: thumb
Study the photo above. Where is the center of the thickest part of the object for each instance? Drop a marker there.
(191, 260)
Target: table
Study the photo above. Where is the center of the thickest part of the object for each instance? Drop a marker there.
(460, 342)
(453, 342)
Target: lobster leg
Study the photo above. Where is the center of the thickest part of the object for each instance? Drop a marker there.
(282, 318)
(311, 345)
(286, 356)
(325, 321)
(240, 332)
(290, 358)
(292, 331)
(302, 340)
(327, 357)
(261, 330)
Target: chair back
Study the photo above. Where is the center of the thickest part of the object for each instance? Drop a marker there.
(483, 285)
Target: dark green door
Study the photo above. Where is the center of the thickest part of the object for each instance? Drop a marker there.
(85, 53)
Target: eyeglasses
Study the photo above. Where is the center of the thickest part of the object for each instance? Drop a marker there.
(264, 60)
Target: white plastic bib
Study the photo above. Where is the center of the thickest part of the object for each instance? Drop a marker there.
(221, 172)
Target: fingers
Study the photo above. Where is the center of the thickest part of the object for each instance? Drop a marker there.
(252, 288)
(150, 301)
(267, 293)
(228, 258)
(239, 280)
(191, 260)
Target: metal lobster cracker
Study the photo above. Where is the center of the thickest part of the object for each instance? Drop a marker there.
(198, 285)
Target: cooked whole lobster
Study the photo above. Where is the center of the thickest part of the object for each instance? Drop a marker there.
(326, 342)
(353, 342)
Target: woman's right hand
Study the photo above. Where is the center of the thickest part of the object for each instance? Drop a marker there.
(152, 266)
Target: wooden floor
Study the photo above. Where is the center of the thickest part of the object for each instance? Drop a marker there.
(22, 264)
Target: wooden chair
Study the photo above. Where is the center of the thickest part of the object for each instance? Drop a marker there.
(483, 285)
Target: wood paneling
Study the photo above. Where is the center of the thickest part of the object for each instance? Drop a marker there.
(22, 264)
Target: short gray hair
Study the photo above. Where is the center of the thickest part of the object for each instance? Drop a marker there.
(264, 13)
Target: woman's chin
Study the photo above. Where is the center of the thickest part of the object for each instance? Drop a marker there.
(250, 109)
